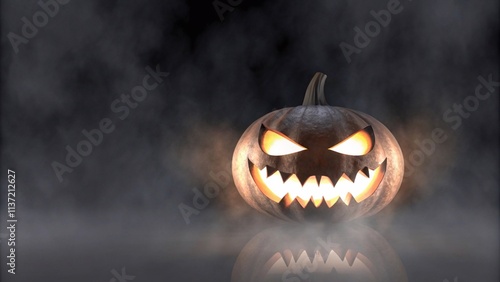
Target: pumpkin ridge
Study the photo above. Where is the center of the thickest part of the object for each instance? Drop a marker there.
(278, 120)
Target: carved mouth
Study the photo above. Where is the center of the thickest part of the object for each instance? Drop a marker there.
(280, 186)
(305, 263)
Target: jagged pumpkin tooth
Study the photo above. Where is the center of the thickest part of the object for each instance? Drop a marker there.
(350, 256)
(365, 171)
(285, 176)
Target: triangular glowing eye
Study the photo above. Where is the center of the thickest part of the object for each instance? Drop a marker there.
(275, 144)
(357, 144)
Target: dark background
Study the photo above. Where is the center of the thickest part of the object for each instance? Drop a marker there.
(119, 208)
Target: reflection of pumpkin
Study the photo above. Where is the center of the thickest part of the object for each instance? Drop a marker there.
(317, 159)
(298, 253)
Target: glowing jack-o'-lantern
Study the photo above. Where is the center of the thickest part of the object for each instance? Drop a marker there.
(308, 253)
(316, 160)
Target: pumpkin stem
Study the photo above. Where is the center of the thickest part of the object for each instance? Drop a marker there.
(315, 94)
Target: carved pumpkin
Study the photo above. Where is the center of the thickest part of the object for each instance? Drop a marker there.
(341, 253)
(317, 161)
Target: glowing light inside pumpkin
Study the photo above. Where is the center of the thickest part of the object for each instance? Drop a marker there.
(357, 144)
(275, 144)
(346, 189)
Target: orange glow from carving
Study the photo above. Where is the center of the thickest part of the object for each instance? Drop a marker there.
(357, 144)
(275, 144)
(346, 189)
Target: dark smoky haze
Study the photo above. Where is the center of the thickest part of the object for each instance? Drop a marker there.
(119, 210)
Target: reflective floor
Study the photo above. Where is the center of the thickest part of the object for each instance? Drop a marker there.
(406, 246)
